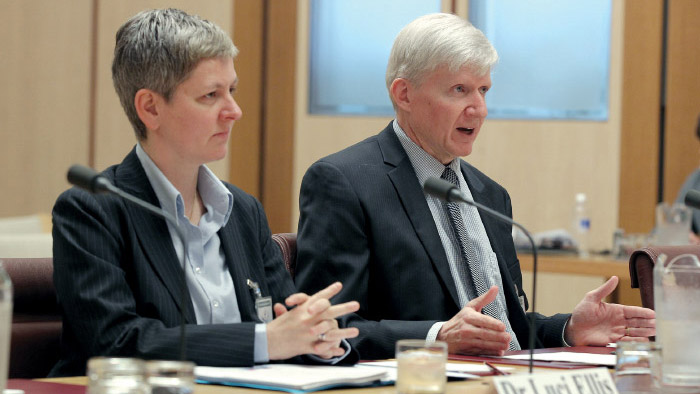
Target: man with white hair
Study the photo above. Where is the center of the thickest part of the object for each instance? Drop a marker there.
(421, 268)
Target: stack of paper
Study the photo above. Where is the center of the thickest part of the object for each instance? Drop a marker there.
(290, 377)
(452, 370)
(573, 357)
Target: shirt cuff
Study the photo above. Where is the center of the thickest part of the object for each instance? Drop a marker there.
(260, 353)
(334, 360)
(434, 330)
(563, 332)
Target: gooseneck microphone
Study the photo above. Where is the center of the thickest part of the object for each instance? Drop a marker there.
(447, 191)
(90, 180)
(692, 199)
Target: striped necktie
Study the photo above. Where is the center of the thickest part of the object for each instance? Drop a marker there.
(473, 272)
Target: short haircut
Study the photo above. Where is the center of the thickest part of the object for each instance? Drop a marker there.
(436, 40)
(157, 50)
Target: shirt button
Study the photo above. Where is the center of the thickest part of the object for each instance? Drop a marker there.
(197, 270)
(216, 304)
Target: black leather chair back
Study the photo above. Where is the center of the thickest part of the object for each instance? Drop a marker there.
(36, 318)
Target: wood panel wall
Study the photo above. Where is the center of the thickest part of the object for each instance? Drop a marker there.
(58, 106)
(44, 100)
(641, 87)
(261, 154)
(640, 172)
(681, 146)
(278, 130)
(245, 152)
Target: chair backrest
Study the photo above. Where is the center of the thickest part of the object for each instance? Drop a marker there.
(36, 317)
(288, 244)
(642, 267)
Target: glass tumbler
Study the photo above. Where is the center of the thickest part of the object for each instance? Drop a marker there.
(637, 366)
(421, 366)
(113, 375)
(170, 377)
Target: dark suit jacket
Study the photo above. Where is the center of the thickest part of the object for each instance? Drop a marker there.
(365, 221)
(119, 280)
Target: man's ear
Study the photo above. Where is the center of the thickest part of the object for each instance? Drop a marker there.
(399, 92)
(146, 102)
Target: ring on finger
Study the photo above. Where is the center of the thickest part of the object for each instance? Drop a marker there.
(627, 331)
(322, 336)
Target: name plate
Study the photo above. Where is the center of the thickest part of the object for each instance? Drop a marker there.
(579, 381)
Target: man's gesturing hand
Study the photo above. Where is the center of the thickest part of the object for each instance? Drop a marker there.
(471, 332)
(596, 323)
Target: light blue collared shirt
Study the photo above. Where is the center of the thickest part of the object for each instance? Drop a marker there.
(208, 279)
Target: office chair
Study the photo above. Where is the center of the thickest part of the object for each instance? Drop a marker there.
(642, 267)
(36, 318)
(288, 244)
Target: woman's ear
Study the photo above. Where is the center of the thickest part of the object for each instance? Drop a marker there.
(146, 103)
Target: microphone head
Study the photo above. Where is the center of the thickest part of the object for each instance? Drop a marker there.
(440, 188)
(692, 199)
(87, 178)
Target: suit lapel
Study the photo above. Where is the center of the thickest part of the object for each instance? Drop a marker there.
(240, 270)
(409, 191)
(152, 232)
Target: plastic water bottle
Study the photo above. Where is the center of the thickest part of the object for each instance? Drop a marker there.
(5, 325)
(582, 225)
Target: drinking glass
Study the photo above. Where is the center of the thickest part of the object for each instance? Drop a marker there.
(113, 375)
(636, 358)
(170, 377)
(5, 325)
(672, 224)
(421, 366)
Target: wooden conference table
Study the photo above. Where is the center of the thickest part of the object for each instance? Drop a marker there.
(478, 386)
(470, 386)
(552, 263)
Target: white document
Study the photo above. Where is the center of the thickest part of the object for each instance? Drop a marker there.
(572, 357)
(453, 370)
(290, 377)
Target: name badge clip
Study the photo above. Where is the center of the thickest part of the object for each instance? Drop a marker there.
(263, 305)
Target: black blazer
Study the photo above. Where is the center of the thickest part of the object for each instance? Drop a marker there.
(364, 220)
(118, 278)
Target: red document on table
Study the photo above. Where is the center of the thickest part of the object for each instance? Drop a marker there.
(548, 364)
(37, 387)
